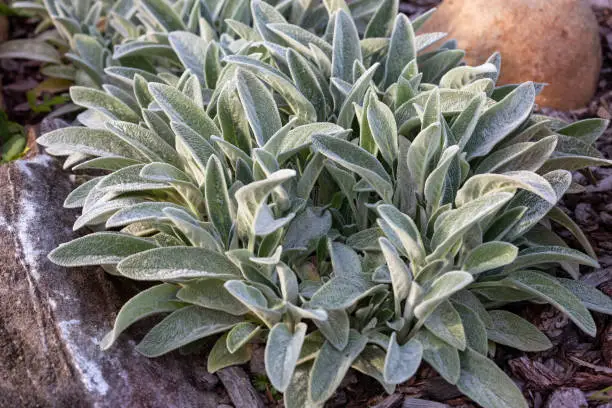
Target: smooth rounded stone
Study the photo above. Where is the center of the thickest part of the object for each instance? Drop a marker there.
(554, 42)
(52, 318)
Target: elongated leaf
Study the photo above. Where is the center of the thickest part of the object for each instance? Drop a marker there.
(489, 256)
(487, 384)
(282, 352)
(550, 254)
(521, 156)
(384, 129)
(402, 49)
(163, 13)
(281, 84)
(95, 142)
(355, 159)
(511, 330)
(500, 120)
(30, 49)
(105, 103)
(155, 300)
(552, 291)
(331, 366)
(99, 248)
(240, 335)
(259, 107)
(182, 327)
(421, 153)
(141, 212)
(401, 277)
(181, 109)
(335, 328)
(592, 298)
(588, 130)
(211, 294)
(355, 96)
(346, 48)
(191, 50)
(381, 24)
(474, 328)
(177, 262)
(537, 208)
(438, 181)
(220, 357)
(445, 322)
(218, 204)
(300, 137)
(558, 215)
(255, 300)
(441, 289)
(442, 357)
(452, 224)
(402, 361)
(481, 184)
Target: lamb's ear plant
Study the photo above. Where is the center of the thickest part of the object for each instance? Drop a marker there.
(313, 180)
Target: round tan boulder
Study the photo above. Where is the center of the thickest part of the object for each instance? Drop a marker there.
(551, 41)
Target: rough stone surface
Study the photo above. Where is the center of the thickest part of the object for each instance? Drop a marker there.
(52, 318)
(567, 398)
(555, 42)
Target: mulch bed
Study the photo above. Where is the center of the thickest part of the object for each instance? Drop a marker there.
(576, 371)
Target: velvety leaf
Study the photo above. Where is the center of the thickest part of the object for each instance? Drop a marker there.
(177, 262)
(592, 298)
(441, 289)
(282, 352)
(240, 335)
(259, 106)
(474, 328)
(346, 48)
(453, 224)
(481, 184)
(487, 384)
(445, 323)
(155, 300)
(99, 248)
(218, 203)
(181, 109)
(550, 254)
(331, 366)
(182, 327)
(30, 49)
(255, 300)
(442, 357)
(401, 277)
(355, 159)
(402, 361)
(402, 49)
(489, 256)
(211, 294)
(421, 153)
(497, 122)
(336, 328)
(550, 290)
(95, 142)
(511, 330)
(384, 129)
(220, 357)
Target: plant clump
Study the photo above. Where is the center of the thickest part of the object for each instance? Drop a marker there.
(304, 174)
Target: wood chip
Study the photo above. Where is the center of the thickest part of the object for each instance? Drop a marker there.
(239, 388)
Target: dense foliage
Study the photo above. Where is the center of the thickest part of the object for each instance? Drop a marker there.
(318, 177)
